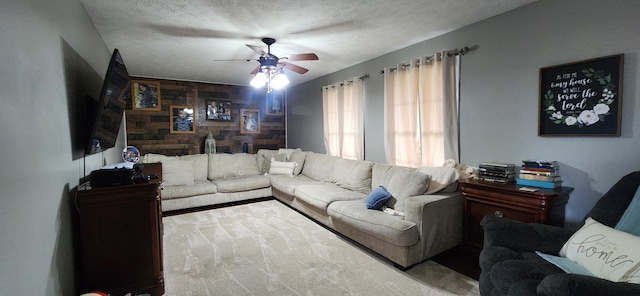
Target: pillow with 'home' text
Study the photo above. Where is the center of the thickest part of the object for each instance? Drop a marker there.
(606, 252)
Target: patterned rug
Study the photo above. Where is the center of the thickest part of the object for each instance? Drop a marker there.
(266, 248)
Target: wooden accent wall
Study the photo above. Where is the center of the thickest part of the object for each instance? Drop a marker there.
(149, 131)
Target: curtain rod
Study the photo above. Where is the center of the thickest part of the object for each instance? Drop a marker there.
(365, 76)
(458, 51)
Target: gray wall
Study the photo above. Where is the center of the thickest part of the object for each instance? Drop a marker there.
(499, 92)
(46, 46)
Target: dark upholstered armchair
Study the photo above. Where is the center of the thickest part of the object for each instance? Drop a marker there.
(509, 265)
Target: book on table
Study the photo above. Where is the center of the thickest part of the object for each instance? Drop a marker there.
(497, 172)
(537, 183)
(539, 177)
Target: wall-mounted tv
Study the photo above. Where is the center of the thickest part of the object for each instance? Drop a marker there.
(110, 106)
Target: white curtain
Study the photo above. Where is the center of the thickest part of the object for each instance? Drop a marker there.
(342, 105)
(421, 112)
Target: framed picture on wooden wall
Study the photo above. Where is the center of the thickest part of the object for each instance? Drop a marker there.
(275, 104)
(582, 98)
(182, 119)
(249, 121)
(218, 109)
(145, 95)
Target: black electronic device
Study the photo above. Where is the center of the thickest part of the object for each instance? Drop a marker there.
(111, 177)
(111, 103)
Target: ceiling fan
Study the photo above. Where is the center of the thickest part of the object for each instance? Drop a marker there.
(269, 60)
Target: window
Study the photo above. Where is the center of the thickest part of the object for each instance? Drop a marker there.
(343, 119)
(419, 97)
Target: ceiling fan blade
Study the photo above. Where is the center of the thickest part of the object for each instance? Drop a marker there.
(257, 49)
(235, 60)
(301, 57)
(255, 70)
(294, 68)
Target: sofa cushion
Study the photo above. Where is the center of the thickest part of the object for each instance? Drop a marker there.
(443, 179)
(282, 168)
(321, 195)
(180, 191)
(288, 152)
(353, 174)
(243, 183)
(389, 228)
(376, 199)
(288, 184)
(298, 157)
(177, 172)
(604, 251)
(382, 173)
(200, 164)
(153, 158)
(404, 184)
(232, 165)
(401, 182)
(264, 154)
(268, 158)
(319, 166)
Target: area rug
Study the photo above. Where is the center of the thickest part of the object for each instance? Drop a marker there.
(266, 248)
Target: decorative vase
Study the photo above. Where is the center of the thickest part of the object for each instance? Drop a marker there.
(210, 144)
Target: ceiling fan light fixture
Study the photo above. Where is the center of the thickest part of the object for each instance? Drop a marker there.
(279, 81)
(259, 80)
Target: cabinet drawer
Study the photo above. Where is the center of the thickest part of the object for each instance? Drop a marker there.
(477, 210)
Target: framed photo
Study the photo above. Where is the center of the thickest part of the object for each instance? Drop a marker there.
(275, 104)
(582, 98)
(182, 119)
(218, 110)
(145, 95)
(249, 121)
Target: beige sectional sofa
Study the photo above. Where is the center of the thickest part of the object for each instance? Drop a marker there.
(424, 217)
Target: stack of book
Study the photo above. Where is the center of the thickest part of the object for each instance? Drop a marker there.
(497, 172)
(539, 173)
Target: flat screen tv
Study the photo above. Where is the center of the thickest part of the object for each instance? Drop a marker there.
(110, 106)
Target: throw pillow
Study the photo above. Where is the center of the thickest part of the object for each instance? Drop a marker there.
(606, 252)
(630, 220)
(298, 157)
(376, 199)
(288, 152)
(266, 163)
(281, 168)
(565, 264)
(177, 172)
(441, 178)
(403, 184)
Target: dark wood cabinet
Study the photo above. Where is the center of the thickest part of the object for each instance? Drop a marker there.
(121, 239)
(482, 198)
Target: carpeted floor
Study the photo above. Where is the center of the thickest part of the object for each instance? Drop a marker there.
(266, 248)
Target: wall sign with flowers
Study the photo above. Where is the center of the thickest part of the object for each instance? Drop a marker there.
(582, 98)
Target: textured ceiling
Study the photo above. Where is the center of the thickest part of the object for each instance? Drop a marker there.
(179, 39)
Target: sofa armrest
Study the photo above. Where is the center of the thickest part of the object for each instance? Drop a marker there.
(439, 221)
(523, 236)
(574, 284)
